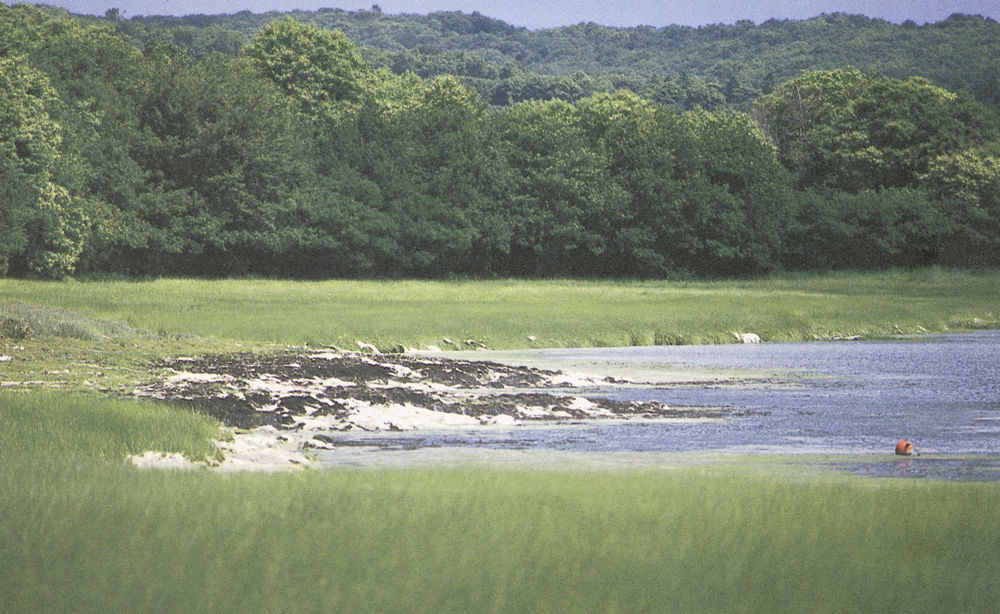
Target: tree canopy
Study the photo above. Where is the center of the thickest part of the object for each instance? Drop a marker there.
(710, 66)
(233, 146)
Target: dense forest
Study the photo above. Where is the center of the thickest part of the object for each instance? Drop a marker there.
(334, 144)
(712, 67)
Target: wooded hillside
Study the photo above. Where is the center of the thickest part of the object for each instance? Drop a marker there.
(680, 66)
(246, 144)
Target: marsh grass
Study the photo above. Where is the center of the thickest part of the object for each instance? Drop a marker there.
(556, 313)
(19, 321)
(77, 428)
(108, 367)
(81, 531)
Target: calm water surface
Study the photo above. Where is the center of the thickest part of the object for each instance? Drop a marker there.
(853, 398)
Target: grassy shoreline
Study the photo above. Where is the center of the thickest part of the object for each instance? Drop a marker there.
(517, 314)
(101, 335)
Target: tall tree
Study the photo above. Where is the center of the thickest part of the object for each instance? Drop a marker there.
(223, 151)
(725, 161)
(42, 227)
(967, 183)
(853, 131)
(318, 68)
(634, 133)
(562, 194)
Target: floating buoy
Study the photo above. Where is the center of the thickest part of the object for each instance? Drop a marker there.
(905, 448)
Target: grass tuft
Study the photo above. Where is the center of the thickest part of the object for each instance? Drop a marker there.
(19, 321)
(51, 426)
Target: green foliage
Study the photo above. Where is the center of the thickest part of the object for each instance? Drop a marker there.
(41, 227)
(967, 183)
(298, 156)
(634, 133)
(436, 176)
(679, 66)
(733, 193)
(562, 193)
(201, 172)
(833, 230)
(706, 192)
(318, 68)
(852, 131)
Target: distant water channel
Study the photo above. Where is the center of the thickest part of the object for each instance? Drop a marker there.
(836, 398)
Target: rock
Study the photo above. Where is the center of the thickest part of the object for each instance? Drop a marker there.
(367, 347)
(320, 442)
(302, 394)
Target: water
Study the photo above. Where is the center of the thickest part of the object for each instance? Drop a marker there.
(838, 398)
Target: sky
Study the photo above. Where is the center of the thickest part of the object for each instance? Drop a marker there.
(536, 14)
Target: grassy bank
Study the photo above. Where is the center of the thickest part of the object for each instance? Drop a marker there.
(85, 533)
(504, 314)
(81, 531)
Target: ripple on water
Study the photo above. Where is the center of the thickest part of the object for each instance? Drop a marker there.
(857, 398)
(978, 469)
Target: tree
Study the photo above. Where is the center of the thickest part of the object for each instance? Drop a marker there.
(101, 78)
(640, 160)
(426, 146)
(873, 229)
(705, 191)
(458, 169)
(318, 68)
(223, 151)
(561, 215)
(42, 227)
(744, 193)
(852, 131)
(967, 184)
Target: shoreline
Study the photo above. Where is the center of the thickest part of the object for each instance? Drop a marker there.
(332, 408)
(285, 408)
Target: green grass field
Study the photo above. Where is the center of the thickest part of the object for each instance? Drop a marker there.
(80, 531)
(503, 314)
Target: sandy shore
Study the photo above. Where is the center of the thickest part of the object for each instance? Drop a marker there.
(284, 407)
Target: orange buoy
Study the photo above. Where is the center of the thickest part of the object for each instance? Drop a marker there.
(905, 448)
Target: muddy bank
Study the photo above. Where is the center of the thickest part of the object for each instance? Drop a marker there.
(323, 391)
(284, 405)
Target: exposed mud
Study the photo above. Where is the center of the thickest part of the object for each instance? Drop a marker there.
(285, 405)
(329, 390)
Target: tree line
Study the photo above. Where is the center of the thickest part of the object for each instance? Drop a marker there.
(714, 66)
(298, 157)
